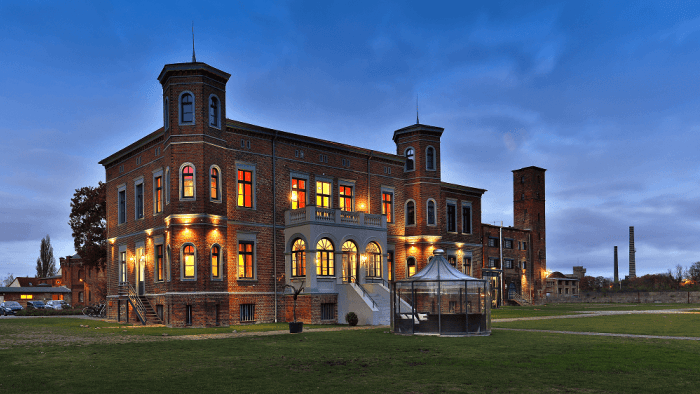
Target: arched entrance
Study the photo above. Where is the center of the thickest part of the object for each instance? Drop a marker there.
(350, 262)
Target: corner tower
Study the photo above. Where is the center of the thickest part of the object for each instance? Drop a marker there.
(529, 214)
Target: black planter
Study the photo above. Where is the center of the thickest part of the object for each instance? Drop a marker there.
(296, 327)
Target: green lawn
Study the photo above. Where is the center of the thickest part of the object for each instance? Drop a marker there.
(352, 361)
(508, 312)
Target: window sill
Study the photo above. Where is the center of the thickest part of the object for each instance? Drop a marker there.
(188, 199)
(215, 201)
(247, 280)
(245, 208)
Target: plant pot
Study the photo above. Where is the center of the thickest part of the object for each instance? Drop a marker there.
(296, 327)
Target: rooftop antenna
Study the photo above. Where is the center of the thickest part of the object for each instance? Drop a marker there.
(417, 122)
(194, 59)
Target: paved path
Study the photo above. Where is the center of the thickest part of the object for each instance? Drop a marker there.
(601, 334)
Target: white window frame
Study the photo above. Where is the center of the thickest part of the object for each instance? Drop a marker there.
(158, 173)
(427, 212)
(218, 115)
(194, 110)
(181, 186)
(427, 167)
(182, 263)
(248, 167)
(347, 183)
(218, 186)
(122, 188)
(139, 181)
(248, 237)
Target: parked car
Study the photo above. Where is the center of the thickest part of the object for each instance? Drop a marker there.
(36, 305)
(10, 308)
(54, 304)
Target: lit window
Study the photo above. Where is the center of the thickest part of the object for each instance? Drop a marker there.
(158, 194)
(345, 198)
(186, 108)
(159, 263)
(374, 260)
(28, 296)
(349, 261)
(411, 266)
(214, 111)
(187, 185)
(215, 259)
(431, 212)
(430, 158)
(245, 188)
(388, 206)
(298, 193)
(390, 264)
(410, 213)
(245, 260)
(122, 267)
(214, 188)
(409, 159)
(325, 265)
(323, 194)
(452, 260)
(188, 257)
(299, 258)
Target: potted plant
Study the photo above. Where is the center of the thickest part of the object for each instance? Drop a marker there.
(351, 318)
(295, 326)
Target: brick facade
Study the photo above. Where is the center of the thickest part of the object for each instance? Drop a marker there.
(181, 230)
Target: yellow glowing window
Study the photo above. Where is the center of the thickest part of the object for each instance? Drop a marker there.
(325, 265)
(245, 188)
(388, 206)
(159, 194)
(298, 193)
(411, 265)
(345, 197)
(215, 261)
(323, 194)
(299, 258)
(214, 184)
(245, 260)
(188, 253)
(187, 182)
(26, 296)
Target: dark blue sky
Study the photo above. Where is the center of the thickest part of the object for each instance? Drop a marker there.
(602, 94)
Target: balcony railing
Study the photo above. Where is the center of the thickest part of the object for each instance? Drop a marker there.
(314, 215)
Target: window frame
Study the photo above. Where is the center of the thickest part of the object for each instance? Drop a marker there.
(407, 216)
(492, 242)
(408, 266)
(467, 262)
(219, 265)
(139, 210)
(181, 188)
(430, 161)
(212, 98)
(427, 212)
(166, 185)
(468, 205)
(345, 198)
(388, 191)
(168, 262)
(298, 177)
(180, 117)
(374, 260)
(329, 263)
(451, 219)
(329, 195)
(166, 113)
(247, 238)
(158, 262)
(298, 268)
(121, 204)
(158, 202)
(507, 242)
(247, 167)
(219, 180)
(123, 268)
(183, 266)
(409, 159)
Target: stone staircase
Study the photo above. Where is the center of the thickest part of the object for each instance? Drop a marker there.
(381, 296)
(141, 305)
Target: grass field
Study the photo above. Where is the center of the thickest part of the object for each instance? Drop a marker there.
(509, 312)
(351, 361)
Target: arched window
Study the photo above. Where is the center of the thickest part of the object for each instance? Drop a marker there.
(411, 266)
(410, 155)
(325, 265)
(186, 108)
(213, 111)
(430, 158)
(410, 213)
(349, 262)
(374, 260)
(299, 258)
(188, 263)
(214, 185)
(187, 182)
(431, 212)
(215, 262)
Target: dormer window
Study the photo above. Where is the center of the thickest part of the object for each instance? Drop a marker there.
(430, 159)
(213, 111)
(410, 155)
(186, 108)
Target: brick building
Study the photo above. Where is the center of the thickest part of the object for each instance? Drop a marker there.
(209, 218)
(87, 284)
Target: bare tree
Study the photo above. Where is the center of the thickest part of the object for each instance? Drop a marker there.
(7, 280)
(45, 264)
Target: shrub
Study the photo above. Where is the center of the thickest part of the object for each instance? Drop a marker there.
(351, 318)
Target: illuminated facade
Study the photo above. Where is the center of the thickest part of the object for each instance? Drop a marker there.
(208, 218)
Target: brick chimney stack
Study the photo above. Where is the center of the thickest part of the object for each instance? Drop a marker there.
(633, 267)
(617, 277)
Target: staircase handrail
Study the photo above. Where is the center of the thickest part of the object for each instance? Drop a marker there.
(518, 297)
(135, 302)
(356, 282)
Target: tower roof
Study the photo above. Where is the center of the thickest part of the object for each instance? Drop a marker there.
(418, 127)
(192, 68)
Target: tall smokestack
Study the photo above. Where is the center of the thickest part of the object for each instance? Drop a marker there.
(617, 278)
(633, 266)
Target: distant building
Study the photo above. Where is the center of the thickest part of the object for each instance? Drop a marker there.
(87, 284)
(560, 285)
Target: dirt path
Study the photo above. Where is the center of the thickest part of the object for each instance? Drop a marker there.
(602, 334)
(601, 313)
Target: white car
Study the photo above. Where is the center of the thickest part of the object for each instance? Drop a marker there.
(54, 304)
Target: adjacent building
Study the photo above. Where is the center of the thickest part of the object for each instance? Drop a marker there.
(209, 218)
